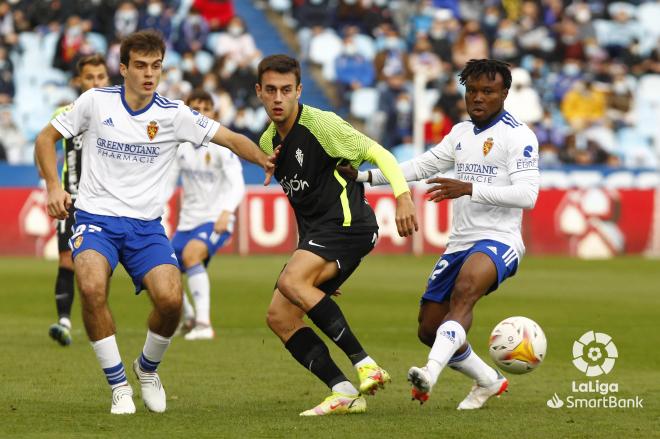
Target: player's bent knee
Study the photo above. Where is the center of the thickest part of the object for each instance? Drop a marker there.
(170, 305)
(92, 294)
(286, 284)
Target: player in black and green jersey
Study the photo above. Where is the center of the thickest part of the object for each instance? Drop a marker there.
(91, 72)
(336, 228)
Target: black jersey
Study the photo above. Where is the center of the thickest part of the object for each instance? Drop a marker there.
(72, 168)
(321, 198)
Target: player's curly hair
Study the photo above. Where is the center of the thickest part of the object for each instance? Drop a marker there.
(489, 67)
(145, 41)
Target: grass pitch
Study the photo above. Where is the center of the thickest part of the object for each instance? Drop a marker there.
(245, 384)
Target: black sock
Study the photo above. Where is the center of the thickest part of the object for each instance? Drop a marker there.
(310, 351)
(64, 292)
(329, 318)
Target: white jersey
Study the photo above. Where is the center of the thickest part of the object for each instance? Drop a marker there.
(127, 154)
(212, 181)
(501, 162)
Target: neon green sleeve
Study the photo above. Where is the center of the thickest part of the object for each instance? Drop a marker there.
(388, 165)
(266, 139)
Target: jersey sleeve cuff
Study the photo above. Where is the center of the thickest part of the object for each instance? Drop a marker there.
(61, 129)
(215, 126)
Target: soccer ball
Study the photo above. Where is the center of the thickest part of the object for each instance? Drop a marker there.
(517, 345)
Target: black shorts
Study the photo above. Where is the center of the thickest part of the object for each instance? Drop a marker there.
(346, 248)
(65, 231)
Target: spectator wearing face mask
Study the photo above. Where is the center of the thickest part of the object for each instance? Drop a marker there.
(441, 35)
(392, 59)
(193, 33)
(422, 61)
(352, 71)
(571, 71)
(505, 46)
(470, 44)
(126, 20)
(236, 45)
(157, 16)
(437, 127)
(583, 105)
(72, 44)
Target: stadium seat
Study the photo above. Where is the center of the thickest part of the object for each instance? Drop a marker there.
(364, 102)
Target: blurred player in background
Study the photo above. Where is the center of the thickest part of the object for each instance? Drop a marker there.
(91, 72)
(495, 158)
(213, 187)
(336, 229)
(131, 136)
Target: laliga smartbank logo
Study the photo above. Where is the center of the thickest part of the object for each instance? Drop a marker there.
(594, 354)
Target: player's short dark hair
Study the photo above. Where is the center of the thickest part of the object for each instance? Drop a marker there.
(90, 60)
(144, 41)
(489, 67)
(199, 94)
(279, 63)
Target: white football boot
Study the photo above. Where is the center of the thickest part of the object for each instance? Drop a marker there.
(200, 332)
(153, 393)
(122, 400)
(479, 395)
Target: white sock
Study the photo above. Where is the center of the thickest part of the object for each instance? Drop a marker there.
(470, 364)
(449, 337)
(153, 351)
(345, 387)
(65, 321)
(188, 310)
(366, 360)
(107, 353)
(200, 288)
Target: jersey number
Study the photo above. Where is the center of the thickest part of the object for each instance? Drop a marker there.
(439, 268)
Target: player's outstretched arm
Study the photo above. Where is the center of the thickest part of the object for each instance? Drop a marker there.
(246, 149)
(59, 200)
(406, 220)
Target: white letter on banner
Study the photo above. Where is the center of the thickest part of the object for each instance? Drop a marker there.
(432, 232)
(258, 231)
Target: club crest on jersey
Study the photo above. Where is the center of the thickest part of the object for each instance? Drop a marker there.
(78, 241)
(152, 129)
(488, 145)
(299, 156)
(207, 158)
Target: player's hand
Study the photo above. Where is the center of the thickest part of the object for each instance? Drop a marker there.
(58, 203)
(406, 221)
(347, 171)
(269, 166)
(447, 188)
(222, 223)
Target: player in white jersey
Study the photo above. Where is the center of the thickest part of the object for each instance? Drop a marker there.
(495, 160)
(213, 187)
(131, 137)
(91, 72)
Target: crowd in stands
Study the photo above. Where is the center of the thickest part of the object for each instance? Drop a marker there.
(208, 47)
(586, 74)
